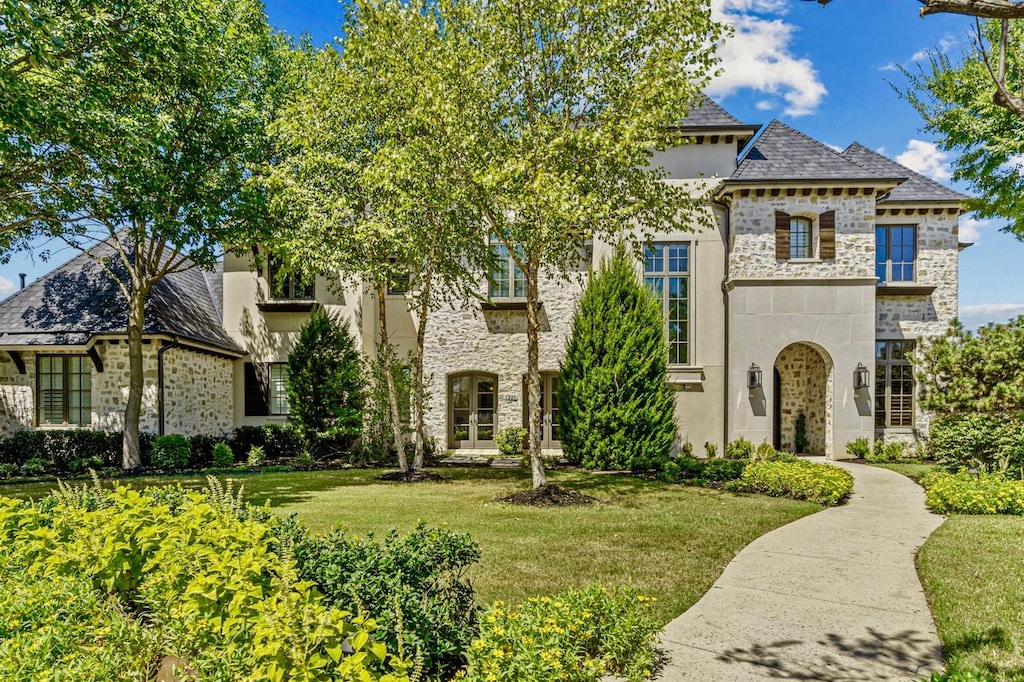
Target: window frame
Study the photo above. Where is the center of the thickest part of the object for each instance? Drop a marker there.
(290, 288)
(505, 273)
(888, 263)
(399, 279)
(664, 274)
(809, 246)
(274, 401)
(884, 384)
(84, 370)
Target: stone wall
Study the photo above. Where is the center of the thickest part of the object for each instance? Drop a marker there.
(804, 390)
(17, 405)
(197, 393)
(110, 389)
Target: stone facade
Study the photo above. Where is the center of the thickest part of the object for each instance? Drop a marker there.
(806, 381)
(197, 391)
(17, 406)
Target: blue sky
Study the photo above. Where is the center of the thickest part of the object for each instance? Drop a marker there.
(827, 71)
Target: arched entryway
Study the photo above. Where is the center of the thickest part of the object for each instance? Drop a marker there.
(803, 385)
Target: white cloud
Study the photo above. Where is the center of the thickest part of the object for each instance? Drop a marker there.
(926, 158)
(758, 56)
(891, 66)
(835, 147)
(1014, 163)
(765, 105)
(6, 286)
(971, 228)
(943, 46)
(974, 316)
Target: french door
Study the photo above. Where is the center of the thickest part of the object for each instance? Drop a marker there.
(550, 431)
(472, 412)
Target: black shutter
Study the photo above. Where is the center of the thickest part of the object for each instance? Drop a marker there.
(257, 389)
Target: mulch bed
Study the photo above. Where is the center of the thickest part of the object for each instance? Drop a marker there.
(548, 496)
(411, 476)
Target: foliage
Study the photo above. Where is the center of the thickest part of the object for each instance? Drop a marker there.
(59, 451)
(578, 636)
(257, 456)
(688, 469)
(964, 372)
(954, 674)
(800, 480)
(721, 470)
(279, 442)
(859, 448)
(511, 440)
(377, 440)
(325, 385)
(965, 493)
(207, 581)
(741, 448)
(800, 437)
(222, 455)
(766, 452)
(895, 452)
(979, 441)
(415, 586)
(616, 408)
(170, 452)
(710, 450)
(200, 449)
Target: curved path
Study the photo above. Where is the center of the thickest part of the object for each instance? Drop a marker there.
(833, 596)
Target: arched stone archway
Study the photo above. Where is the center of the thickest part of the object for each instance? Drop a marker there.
(804, 375)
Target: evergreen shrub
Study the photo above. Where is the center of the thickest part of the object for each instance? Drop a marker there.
(170, 452)
(616, 408)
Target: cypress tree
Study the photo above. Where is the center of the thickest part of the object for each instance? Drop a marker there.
(616, 407)
(325, 384)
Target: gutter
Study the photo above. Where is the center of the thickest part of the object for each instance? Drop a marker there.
(725, 300)
(160, 380)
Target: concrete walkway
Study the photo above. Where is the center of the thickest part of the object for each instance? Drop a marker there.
(833, 596)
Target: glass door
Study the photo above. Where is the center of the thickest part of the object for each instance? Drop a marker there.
(550, 432)
(473, 400)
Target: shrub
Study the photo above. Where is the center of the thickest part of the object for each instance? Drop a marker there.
(800, 437)
(710, 450)
(616, 409)
(859, 448)
(415, 586)
(200, 450)
(170, 452)
(965, 493)
(722, 470)
(36, 467)
(682, 468)
(222, 455)
(378, 440)
(981, 441)
(800, 480)
(511, 440)
(578, 635)
(895, 451)
(741, 448)
(766, 452)
(257, 456)
(279, 442)
(67, 450)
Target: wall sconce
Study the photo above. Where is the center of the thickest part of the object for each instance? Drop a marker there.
(861, 377)
(753, 376)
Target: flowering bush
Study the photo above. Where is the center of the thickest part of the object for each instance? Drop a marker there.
(801, 480)
(579, 635)
(964, 493)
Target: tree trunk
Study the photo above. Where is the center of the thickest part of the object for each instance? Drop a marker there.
(388, 360)
(131, 456)
(418, 388)
(533, 368)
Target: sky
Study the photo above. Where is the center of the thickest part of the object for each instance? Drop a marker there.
(830, 72)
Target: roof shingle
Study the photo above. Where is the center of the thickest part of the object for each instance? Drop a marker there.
(915, 188)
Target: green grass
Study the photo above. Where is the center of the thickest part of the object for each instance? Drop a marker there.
(971, 569)
(911, 471)
(670, 541)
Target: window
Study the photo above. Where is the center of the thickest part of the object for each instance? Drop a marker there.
(398, 278)
(666, 274)
(800, 245)
(894, 384)
(64, 389)
(895, 251)
(278, 393)
(287, 286)
(507, 279)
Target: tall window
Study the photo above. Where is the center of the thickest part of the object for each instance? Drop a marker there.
(278, 389)
(507, 278)
(287, 286)
(895, 251)
(894, 384)
(667, 275)
(64, 389)
(800, 238)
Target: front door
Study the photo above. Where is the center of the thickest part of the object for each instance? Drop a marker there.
(472, 416)
(550, 431)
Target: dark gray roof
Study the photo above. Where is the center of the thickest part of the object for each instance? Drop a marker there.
(708, 115)
(781, 153)
(915, 188)
(78, 300)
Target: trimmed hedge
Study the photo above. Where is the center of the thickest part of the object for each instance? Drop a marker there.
(964, 493)
(800, 480)
(975, 440)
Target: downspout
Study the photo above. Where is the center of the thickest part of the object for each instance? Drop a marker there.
(725, 300)
(160, 380)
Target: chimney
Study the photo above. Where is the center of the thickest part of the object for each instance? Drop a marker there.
(22, 276)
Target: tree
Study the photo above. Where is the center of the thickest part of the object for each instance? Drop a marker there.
(616, 408)
(325, 383)
(962, 372)
(154, 160)
(563, 104)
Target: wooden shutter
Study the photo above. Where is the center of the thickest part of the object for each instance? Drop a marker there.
(827, 234)
(257, 389)
(781, 236)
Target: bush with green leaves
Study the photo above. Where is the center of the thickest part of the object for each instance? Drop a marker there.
(325, 386)
(222, 456)
(895, 452)
(200, 450)
(823, 484)
(415, 586)
(278, 441)
(859, 448)
(616, 409)
(170, 452)
(378, 439)
(511, 440)
(973, 493)
(741, 448)
(66, 451)
(979, 441)
(257, 456)
(577, 636)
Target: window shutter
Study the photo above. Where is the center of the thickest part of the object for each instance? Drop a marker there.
(257, 389)
(781, 236)
(827, 234)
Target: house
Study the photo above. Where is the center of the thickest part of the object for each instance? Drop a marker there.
(823, 270)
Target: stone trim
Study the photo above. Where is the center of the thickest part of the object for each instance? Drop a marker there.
(806, 281)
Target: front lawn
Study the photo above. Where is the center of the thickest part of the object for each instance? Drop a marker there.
(670, 541)
(912, 471)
